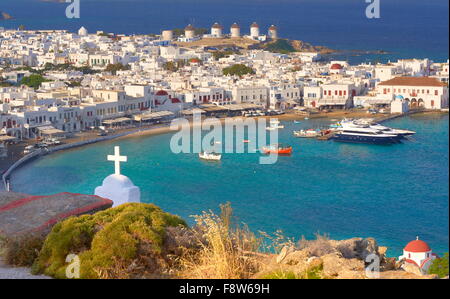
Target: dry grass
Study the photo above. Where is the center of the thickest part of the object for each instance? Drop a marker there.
(226, 251)
(318, 247)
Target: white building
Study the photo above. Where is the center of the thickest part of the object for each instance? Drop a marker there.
(216, 30)
(254, 31)
(235, 30)
(273, 32)
(418, 253)
(399, 105)
(425, 92)
(189, 31)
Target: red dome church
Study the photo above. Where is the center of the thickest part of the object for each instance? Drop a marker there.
(418, 253)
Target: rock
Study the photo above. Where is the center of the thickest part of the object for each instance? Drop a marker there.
(335, 266)
(404, 275)
(411, 268)
(284, 252)
(37, 214)
(5, 16)
(356, 247)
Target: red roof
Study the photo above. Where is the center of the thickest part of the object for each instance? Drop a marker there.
(413, 81)
(336, 66)
(175, 100)
(161, 93)
(417, 246)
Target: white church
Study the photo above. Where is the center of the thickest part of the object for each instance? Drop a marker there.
(418, 253)
(117, 187)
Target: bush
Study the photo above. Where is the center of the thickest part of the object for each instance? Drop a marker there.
(238, 70)
(440, 266)
(33, 81)
(122, 242)
(226, 251)
(22, 250)
(282, 46)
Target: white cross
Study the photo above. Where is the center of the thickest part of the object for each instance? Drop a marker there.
(117, 158)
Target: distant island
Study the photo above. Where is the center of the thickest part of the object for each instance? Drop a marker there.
(5, 16)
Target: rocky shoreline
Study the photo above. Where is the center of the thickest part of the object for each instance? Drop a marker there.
(5, 16)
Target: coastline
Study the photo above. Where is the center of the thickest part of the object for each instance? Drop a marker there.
(86, 138)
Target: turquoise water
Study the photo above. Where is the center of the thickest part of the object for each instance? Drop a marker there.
(392, 193)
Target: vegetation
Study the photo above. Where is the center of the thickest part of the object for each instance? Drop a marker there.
(226, 252)
(174, 66)
(113, 68)
(440, 266)
(282, 46)
(66, 67)
(314, 272)
(22, 250)
(238, 70)
(122, 242)
(34, 81)
(221, 54)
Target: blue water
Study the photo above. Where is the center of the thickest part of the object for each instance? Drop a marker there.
(392, 193)
(407, 28)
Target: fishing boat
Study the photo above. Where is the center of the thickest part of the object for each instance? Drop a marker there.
(277, 149)
(296, 122)
(307, 133)
(210, 156)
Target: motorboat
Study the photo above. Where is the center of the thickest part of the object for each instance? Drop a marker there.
(210, 156)
(277, 149)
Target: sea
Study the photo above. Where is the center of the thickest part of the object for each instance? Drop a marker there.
(405, 29)
(390, 192)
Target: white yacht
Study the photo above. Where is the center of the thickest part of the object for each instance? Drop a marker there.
(210, 156)
(350, 131)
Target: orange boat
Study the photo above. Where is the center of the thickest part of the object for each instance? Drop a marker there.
(277, 149)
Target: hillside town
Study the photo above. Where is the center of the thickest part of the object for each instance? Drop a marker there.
(58, 82)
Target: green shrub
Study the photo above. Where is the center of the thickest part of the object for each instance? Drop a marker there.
(238, 69)
(440, 266)
(22, 250)
(122, 242)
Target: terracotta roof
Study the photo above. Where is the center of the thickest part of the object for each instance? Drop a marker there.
(254, 25)
(413, 81)
(417, 246)
(235, 26)
(273, 27)
(217, 25)
(161, 93)
(189, 28)
(336, 66)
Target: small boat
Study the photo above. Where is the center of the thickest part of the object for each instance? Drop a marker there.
(277, 149)
(307, 133)
(246, 141)
(296, 121)
(210, 156)
(306, 118)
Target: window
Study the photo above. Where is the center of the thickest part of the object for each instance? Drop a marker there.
(436, 92)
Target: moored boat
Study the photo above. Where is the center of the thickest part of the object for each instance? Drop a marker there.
(277, 149)
(210, 156)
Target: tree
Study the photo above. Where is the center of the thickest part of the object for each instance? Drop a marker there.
(113, 68)
(33, 81)
(440, 266)
(238, 70)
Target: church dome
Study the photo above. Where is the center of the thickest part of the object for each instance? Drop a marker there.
(117, 182)
(417, 246)
(399, 97)
(161, 93)
(336, 66)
